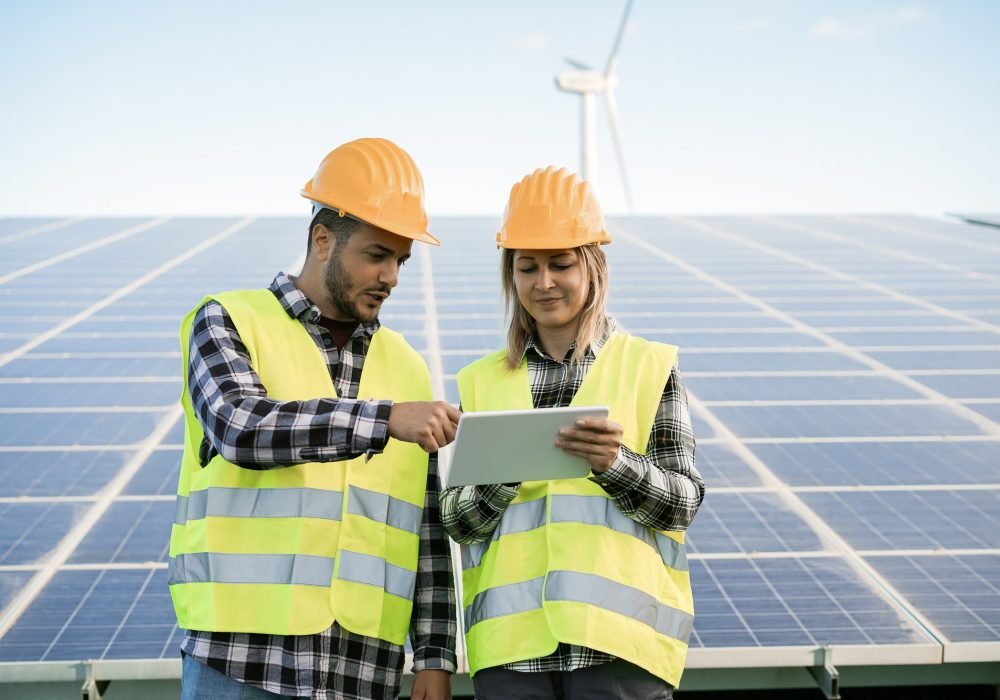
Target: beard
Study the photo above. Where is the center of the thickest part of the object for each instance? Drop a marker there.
(340, 286)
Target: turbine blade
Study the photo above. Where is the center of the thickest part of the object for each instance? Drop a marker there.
(613, 56)
(577, 64)
(609, 96)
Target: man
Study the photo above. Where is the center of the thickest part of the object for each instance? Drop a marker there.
(307, 542)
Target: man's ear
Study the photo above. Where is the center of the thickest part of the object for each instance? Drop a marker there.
(323, 242)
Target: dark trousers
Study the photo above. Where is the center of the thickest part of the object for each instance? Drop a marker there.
(617, 680)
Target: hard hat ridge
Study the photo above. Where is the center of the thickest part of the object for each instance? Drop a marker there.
(375, 181)
(552, 208)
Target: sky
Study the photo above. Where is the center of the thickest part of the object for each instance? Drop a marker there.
(770, 106)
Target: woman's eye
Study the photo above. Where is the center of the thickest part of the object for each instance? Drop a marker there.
(525, 270)
(560, 267)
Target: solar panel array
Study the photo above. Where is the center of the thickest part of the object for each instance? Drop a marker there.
(844, 378)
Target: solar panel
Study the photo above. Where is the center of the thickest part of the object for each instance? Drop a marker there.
(844, 377)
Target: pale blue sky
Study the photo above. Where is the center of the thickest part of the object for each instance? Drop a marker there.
(726, 107)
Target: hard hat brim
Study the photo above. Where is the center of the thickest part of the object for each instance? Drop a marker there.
(398, 229)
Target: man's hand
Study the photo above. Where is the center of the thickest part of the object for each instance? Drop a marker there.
(430, 424)
(431, 684)
(597, 440)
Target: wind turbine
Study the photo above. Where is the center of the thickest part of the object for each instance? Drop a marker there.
(588, 83)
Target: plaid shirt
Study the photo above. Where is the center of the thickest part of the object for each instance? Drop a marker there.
(661, 489)
(256, 432)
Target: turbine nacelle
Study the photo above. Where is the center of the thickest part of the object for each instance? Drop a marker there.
(582, 81)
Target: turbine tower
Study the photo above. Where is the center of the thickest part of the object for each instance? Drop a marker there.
(588, 83)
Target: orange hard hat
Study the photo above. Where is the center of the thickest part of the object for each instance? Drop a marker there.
(376, 181)
(550, 209)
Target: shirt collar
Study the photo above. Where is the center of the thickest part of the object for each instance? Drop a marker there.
(299, 306)
(591, 352)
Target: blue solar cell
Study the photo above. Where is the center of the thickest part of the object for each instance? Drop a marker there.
(676, 322)
(157, 476)
(121, 323)
(482, 338)
(875, 520)
(879, 464)
(8, 344)
(659, 303)
(11, 583)
(905, 338)
(791, 601)
(20, 224)
(689, 340)
(174, 436)
(30, 429)
(708, 388)
(91, 393)
(960, 595)
(129, 531)
(843, 421)
(767, 361)
(75, 473)
(940, 359)
(451, 391)
(92, 367)
(964, 386)
(886, 320)
(18, 311)
(886, 304)
(32, 325)
(490, 322)
(488, 303)
(110, 344)
(990, 410)
(720, 466)
(749, 522)
(82, 615)
(29, 531)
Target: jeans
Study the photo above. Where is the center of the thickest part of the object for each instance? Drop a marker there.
(616, 680)
(199, 682)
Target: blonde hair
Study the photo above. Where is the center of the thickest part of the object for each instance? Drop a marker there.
(592, 315)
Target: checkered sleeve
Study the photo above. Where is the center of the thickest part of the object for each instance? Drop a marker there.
(471, 513)
(661, 489)
(256, 432)
(433, 629)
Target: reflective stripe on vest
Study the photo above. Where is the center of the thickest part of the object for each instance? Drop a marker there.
(383, 508)
(213, 567)
(572, 586)
(259, 503)
(374, 571)
(590, 510)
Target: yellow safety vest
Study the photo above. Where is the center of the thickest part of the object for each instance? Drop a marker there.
(290, 550)
(565, 564)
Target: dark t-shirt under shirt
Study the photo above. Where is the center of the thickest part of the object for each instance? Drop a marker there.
(340, 331)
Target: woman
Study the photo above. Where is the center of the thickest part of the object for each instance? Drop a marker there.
(576, 588)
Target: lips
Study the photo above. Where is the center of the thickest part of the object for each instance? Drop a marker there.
(547, 301)
(378, 297)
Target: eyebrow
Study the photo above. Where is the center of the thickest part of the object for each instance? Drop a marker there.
(387, 250)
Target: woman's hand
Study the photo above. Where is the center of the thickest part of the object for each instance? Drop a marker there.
(597, 440)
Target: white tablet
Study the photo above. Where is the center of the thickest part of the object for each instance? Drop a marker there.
(493, 447)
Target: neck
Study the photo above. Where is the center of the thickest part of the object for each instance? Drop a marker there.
(310, 283)
(556, 341)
